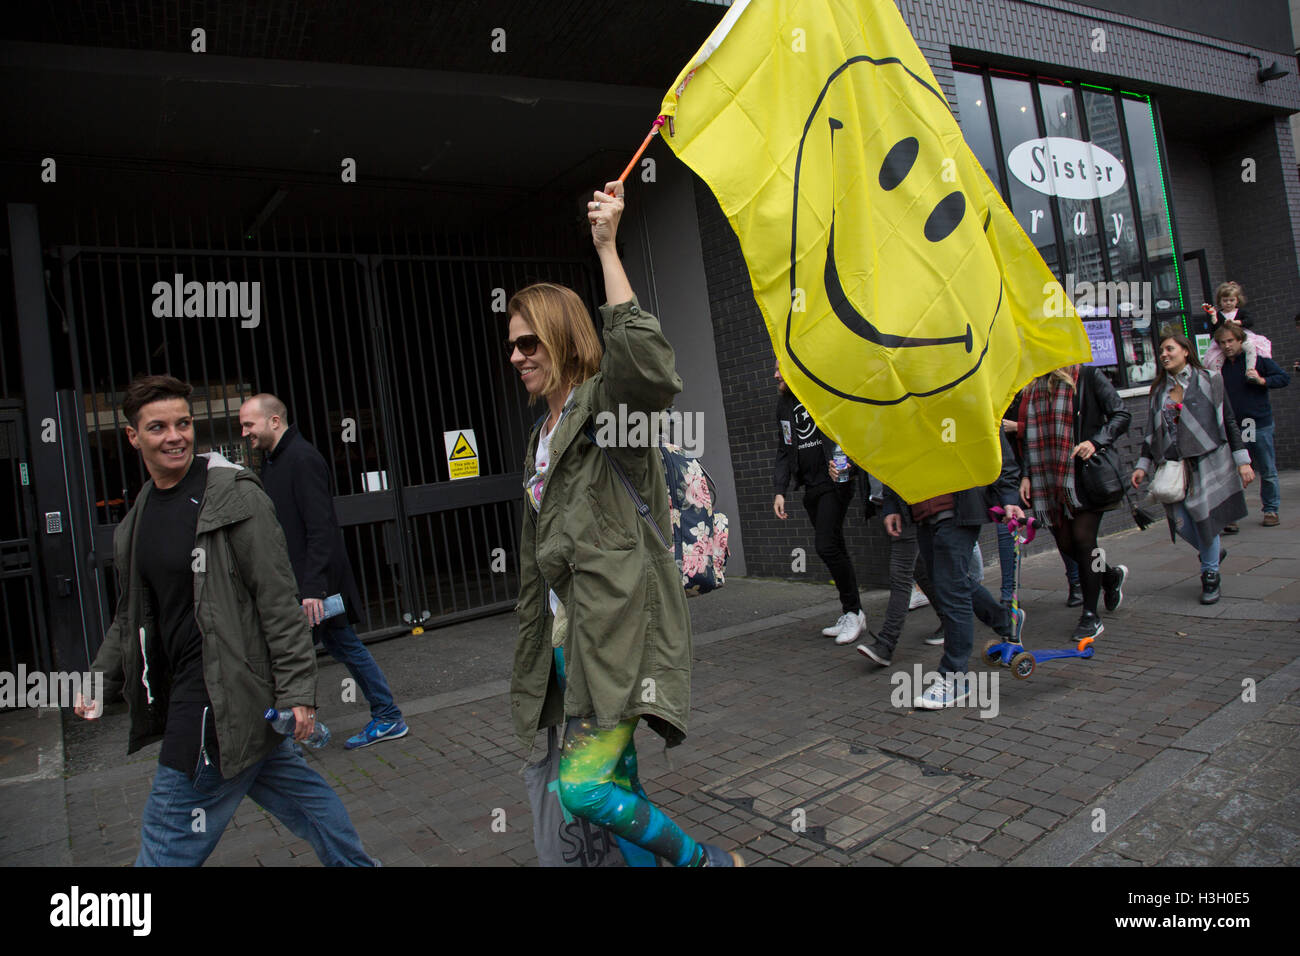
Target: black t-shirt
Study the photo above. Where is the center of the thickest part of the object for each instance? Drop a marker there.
(809, 451)
(165, 557)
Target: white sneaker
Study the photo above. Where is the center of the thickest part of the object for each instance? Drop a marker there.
(918, 598)
(835, 628)
(857, 623)
(844, 621)
(943, 694)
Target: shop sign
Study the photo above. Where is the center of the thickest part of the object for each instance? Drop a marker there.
(1069, 168)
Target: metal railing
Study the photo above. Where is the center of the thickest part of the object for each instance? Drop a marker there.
(377, 349)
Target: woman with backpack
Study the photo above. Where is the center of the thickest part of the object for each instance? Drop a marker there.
(1203, 467)
(1070, 420)
(604, 631)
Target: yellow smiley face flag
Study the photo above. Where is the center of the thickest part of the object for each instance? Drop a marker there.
(905, 303)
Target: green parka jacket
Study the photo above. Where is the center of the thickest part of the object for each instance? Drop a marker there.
(257, 650)
(628, 645)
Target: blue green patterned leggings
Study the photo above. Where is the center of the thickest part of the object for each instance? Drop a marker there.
(598, 781)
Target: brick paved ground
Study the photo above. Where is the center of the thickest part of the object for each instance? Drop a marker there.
(1241, 807)
(797, 757)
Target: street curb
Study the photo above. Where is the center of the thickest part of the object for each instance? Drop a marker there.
(1075, 837)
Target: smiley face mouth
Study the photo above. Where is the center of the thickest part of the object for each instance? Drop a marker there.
(942, 221)
(860, 325)
(912, 379)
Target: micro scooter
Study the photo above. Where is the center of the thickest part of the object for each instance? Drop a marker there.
(1000, 653)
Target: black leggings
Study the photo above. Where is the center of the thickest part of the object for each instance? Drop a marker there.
(1077, 538)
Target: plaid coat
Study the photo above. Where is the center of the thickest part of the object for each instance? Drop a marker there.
(1207, 438)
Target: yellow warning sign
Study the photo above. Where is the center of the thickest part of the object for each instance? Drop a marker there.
(461, 450)
(462, 453)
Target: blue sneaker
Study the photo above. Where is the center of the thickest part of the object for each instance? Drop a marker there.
(376, 731)
(716, 856)
(946, 693)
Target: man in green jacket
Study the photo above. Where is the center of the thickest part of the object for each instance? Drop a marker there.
(208, 636)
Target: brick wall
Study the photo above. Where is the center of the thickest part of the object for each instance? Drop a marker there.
(1191, 185)
(1258, 225)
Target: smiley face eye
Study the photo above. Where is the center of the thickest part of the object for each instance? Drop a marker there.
(898, 162)
(945, 217)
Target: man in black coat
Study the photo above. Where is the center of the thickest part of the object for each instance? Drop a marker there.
(297, 479)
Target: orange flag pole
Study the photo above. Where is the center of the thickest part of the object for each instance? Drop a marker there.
(654, 128)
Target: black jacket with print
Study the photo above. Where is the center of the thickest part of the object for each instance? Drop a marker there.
(802, 452)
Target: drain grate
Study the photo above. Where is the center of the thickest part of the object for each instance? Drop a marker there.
(850, 796)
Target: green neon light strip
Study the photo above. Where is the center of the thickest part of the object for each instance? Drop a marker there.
(1169, 219)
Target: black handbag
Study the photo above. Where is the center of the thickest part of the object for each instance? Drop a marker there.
(1100, 482)
(1098, 479)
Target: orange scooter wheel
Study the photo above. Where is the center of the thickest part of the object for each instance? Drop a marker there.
(1083, 644)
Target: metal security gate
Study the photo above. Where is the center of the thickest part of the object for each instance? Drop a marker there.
(376, 352)
(23, 638)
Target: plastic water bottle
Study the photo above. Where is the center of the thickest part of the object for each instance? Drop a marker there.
(841, 463)
(283, 722)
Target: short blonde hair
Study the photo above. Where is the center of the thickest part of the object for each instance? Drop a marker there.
(1229, 287)
(557, 317)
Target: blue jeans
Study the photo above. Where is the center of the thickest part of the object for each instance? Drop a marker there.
(346, 648)
(1007, 560)
(1265, 463)
(948, 549)
(280, 782)
(1071, 570)
(1208, 550)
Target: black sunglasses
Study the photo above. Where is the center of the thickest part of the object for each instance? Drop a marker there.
(527, 344)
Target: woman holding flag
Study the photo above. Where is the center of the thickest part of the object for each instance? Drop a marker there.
(605, 635)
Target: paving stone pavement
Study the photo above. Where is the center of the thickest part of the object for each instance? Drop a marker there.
(797, 756)
(1241, 807)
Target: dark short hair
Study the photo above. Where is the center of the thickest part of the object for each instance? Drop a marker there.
(152, 388)
(1233, 329)
(270, 405)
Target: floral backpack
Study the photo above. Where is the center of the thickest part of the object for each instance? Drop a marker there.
(699, 540)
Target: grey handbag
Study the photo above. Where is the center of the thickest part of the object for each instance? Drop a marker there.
(562, 839)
